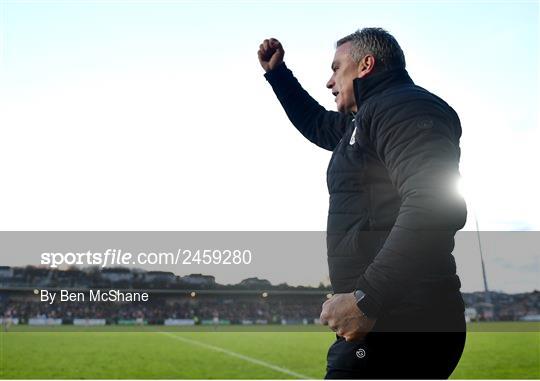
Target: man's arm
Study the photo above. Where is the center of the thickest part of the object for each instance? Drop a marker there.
(421, 154)
(320, 126)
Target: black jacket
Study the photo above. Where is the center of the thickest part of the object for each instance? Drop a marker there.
(394, 207)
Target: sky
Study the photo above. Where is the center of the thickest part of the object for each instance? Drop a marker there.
(140, 115)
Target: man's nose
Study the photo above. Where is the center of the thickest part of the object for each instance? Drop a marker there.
(330, 83)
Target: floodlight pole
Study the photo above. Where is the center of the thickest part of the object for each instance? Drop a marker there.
(486, 290)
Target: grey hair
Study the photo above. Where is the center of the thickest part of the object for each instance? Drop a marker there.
(377, 42)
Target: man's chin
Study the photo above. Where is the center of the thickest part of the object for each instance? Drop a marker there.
(344, 110)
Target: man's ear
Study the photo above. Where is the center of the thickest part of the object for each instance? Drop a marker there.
(366, 66)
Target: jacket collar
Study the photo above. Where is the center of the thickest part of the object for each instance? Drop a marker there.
(370, 85)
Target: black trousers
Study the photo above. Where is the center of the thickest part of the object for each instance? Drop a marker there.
(399, 349)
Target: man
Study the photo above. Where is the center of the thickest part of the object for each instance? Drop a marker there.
(396, 309)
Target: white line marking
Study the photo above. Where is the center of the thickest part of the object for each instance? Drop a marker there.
(238, 355)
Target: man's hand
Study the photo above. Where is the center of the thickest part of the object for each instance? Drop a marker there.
(342, 315)
(270, 54)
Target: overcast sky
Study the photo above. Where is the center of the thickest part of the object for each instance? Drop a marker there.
(136, 115)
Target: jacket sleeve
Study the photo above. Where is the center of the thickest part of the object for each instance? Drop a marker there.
(421, 153)
(320, 126)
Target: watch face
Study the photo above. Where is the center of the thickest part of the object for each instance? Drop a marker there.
(358, 294)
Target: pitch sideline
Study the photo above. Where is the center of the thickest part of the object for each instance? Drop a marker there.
(238, 355)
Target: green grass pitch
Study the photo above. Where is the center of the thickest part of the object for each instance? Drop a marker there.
(127, 354)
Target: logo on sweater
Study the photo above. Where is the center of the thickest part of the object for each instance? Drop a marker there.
(360, 353)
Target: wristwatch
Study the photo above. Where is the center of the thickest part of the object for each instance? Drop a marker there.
(367, 306)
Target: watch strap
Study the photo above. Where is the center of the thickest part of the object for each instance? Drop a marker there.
(367, 305)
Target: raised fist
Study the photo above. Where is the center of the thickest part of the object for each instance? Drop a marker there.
(270, 54)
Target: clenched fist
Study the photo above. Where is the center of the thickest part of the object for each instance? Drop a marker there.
(343, 317)
(270, 54)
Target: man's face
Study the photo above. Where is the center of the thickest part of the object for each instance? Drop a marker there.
(345, 70)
